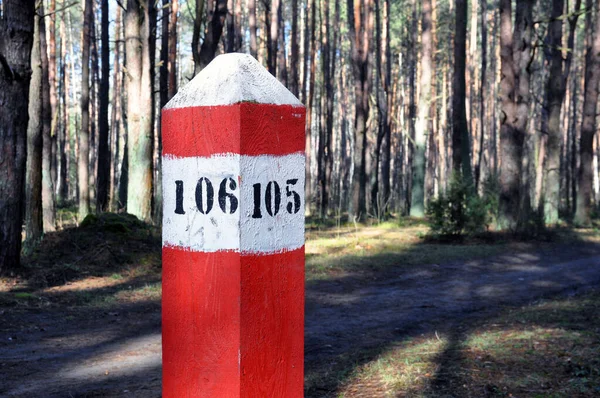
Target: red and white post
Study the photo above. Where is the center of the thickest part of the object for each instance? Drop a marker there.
(233, 235)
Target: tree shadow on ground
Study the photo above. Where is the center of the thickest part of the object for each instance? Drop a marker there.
(350, 322)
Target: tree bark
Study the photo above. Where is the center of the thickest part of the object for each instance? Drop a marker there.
(417, 208)
(217, 11)
(83, 165)
(556, 86)
(54, 165)
(103, 171)
(16, 33)
(309, 107)
(272, 47)
(65, 148)
(589, 121)
(139, 109)
(360, 19)
(48, 205)
(251, 4)
(461, 156)
(515, 54)
(295, 51)
(33, 180)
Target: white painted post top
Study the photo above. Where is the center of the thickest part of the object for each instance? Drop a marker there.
(230, 79)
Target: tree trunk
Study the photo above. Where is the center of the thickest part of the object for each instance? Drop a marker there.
(64, 176)
(103, 180)
(417, 208)
(51, 51)
(482, 94)
(589, 122)
(461, 156)
(33, 180)
(389, 93)
(83, 165)
(163, 72)
(309, 107)
(251, 4)
(556, 86)
(514, 93)
(118, 195)
(238, 26)
(360, 19)
(217, 11)
(273, 31)
(294, 54)
(16, 30)
(48, 206)
(139, 109)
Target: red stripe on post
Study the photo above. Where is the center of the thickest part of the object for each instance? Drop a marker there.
(205, 351)
(246, 128)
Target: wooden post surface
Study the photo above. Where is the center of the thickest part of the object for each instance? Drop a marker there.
(233, 235)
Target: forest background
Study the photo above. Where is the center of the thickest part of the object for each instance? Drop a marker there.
(486, 108)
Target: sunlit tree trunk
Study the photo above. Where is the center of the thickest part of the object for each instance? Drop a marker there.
(556, 87)
(83, 165)
(417, 208)
(48, 205)
(139, 109)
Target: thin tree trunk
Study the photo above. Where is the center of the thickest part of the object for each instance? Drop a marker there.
(417, 208)
(103, 176)
(238, 26)
(217, 11)
(273, 31)
(53, 93)
(482, 93)
(163, 72)
(589, 121)
(461, 156)
(251, 4)
(48, 205)
(309, 108)
(33, 180)
(139, 109)
(83, 166)
(64, 177)
(118, 132)
(389, 97)
(294, 54)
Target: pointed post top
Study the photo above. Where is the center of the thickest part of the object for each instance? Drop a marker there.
(230, 79)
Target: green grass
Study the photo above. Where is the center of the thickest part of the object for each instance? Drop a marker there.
(385, 246)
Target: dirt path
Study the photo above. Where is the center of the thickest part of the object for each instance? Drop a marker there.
(83, 352)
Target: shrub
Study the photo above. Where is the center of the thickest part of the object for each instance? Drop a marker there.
(460, 211)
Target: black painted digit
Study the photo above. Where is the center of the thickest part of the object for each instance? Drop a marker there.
(179, 197)
(257, 213)
(292, 207)
(224, 195)
(273, 208)
(210, 195)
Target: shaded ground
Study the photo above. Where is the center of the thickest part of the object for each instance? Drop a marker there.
(97, 332)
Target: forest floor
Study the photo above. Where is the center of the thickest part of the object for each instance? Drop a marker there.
(388, 313)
